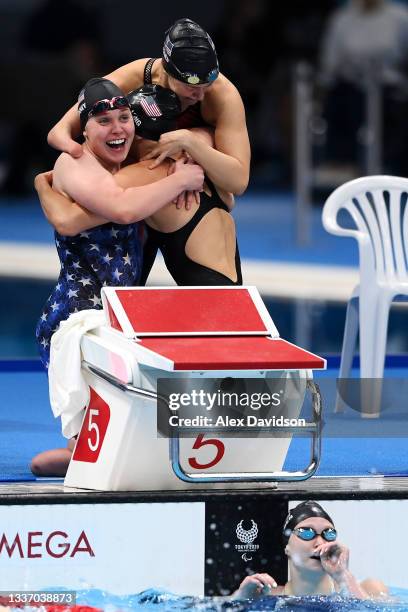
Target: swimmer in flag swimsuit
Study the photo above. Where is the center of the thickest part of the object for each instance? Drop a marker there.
(111, 253)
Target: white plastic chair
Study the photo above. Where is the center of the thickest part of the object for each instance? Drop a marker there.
(378, 206)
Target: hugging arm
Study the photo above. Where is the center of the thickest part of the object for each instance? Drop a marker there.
(226, 165)
(205, 137)
(66, 216)
(103, 200)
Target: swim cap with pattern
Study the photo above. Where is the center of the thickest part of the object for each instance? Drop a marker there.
(189, 54)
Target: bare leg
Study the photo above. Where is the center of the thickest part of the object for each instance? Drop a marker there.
(53, 462)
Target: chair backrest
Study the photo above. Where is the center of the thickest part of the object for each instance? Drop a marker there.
(378, 206)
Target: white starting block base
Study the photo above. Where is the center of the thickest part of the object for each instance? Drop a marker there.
(118, 448)
(133, 458)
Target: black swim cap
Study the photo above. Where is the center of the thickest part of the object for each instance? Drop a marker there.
(94, 91)
(189, 54)
(301, 512)
(155, 110)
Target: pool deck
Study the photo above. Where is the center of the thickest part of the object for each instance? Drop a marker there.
(321, 487)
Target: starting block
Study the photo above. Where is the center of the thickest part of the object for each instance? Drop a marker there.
(203, 333)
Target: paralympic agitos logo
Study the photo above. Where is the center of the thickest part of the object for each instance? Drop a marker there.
(38, 544)
(247, 536)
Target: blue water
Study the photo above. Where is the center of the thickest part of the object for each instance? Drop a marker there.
(161, 601)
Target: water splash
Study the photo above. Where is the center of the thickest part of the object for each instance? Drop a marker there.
(157, 600)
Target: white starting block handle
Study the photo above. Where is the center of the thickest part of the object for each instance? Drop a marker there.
(314, 428)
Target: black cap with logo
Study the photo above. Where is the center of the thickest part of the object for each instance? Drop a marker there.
(155, 110)
(189, 54)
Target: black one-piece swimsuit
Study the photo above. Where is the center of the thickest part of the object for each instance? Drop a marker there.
(184, 270)
(172, 245)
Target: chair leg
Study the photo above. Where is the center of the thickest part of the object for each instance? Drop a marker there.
(380, 347)
(348, 348)
(373, 338)
(378, 357)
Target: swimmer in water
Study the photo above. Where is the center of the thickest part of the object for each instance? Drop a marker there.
(318, 562)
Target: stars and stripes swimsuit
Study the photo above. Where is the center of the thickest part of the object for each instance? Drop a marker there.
(109, 254)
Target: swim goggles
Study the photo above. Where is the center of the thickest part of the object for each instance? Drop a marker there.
(194, 79)
(104, 105)
(308, 533)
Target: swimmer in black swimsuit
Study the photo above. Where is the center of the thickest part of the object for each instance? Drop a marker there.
(172, 245)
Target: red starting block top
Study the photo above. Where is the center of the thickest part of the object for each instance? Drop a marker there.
(187, 311)
(205, 328)
(234, 353)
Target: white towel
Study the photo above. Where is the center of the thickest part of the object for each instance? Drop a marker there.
(69, 392)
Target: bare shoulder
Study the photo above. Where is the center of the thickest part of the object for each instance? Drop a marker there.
(69, 171)
(64, 163)
(63, 160)
(129, 76)
(375, 588)
(63, 169)
(222, 97)
(223, 90)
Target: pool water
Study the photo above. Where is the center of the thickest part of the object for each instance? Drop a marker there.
(161, 601)
(315, 325)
